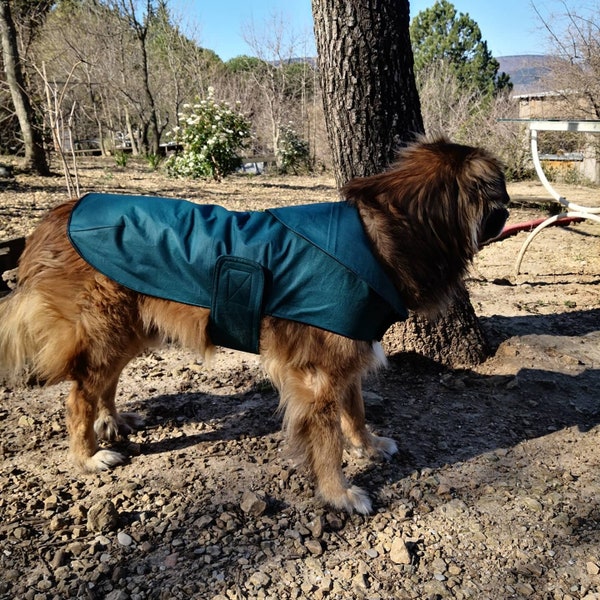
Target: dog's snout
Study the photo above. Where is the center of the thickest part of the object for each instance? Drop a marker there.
(494, 224)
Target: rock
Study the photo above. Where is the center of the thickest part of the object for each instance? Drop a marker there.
(314, 547)
(124, 539)
(399, 552)
(117, 595)
(171, 560)
(592, 568)
(50, 503)
(59, 559)
(26, 422)
(102, 516)
(316, 527)
(359, 582)
(259, 580)
(334, 521)
(533, 504)
(252, 504)
(75, 548)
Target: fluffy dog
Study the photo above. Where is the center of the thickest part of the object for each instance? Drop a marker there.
(425, 218)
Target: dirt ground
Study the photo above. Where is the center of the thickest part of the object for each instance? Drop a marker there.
(494, 493)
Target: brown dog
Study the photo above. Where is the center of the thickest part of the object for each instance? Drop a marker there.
(425, 218)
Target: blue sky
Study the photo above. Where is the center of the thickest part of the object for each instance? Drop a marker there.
(509, 26)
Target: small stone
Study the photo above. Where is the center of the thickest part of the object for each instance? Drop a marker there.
(252, 504)
(124, 539)
(314, 547)
(117, 595)
(26, 421)
(399, 552)
(592, 568)
(78, 511)
(50, 503)
(360, 582)
(78, 532)
(316, 527)
(21, 533)
(259, 580)
(56, 524)
(102, 516)
(334, 521)
(524, 589)
(62, 573)
(59, 559)
(75, 548)
(533, 504)
(171, 560)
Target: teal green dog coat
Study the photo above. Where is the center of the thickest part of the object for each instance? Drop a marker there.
(312, 264)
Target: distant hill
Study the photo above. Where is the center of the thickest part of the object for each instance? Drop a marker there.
(526, 72)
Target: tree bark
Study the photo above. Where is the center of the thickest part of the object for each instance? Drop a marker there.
(371, 108)
(35, 157)
(369, 91)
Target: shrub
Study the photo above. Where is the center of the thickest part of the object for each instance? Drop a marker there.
(292, 150)
(153, 160)
(211, 134)
(121, 158)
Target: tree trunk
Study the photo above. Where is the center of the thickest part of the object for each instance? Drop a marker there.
(455, 339)
(369, 91)
(371, 108)
(35, 157)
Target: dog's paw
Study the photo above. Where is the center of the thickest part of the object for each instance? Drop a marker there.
(103, 460)
(112, 428)
(385, 447)
(357, 500)
(375, 448)
(353, 499)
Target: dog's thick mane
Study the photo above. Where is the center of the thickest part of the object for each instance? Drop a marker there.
(424, 216)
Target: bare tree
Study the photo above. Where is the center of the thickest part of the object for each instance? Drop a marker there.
(139, 19)
(281, 73)
(469, 116)
(35, 157)
(574, 38)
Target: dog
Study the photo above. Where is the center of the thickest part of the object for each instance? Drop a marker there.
(425, 219)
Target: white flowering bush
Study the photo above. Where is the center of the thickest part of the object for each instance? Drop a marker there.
(292, 150)
(212, 134)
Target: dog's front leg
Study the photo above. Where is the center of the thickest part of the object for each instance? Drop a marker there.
(360, 440)
(81, 414)
(313, 423)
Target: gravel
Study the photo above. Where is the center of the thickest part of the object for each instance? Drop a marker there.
(494, 493)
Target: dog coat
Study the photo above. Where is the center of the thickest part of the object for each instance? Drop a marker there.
(312, 264)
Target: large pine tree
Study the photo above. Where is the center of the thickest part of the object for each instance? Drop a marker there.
(442, 34)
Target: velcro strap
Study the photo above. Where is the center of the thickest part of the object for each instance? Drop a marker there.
(237, 303)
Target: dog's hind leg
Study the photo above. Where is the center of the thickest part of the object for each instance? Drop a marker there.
(110, 424)
(360, 440)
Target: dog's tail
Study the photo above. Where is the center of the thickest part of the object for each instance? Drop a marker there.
(21, 330)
